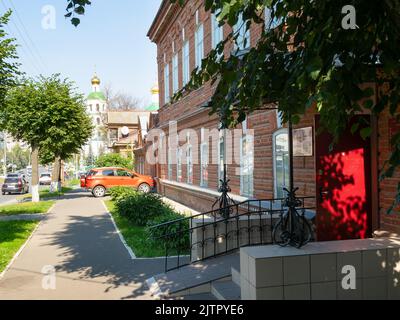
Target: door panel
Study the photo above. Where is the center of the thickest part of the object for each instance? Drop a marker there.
(343, 186)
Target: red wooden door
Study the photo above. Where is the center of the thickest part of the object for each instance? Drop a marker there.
(343, 186)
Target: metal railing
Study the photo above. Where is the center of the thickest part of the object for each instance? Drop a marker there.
(210, 234)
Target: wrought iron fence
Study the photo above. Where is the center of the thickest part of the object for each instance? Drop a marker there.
(210, 234)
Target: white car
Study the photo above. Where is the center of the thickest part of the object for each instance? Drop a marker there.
(45, 179)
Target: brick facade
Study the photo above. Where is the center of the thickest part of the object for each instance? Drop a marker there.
(167, 33)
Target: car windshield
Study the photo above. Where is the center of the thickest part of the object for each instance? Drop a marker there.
(11, 180)
(45, 175)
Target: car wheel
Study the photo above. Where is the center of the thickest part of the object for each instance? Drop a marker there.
(144, 187)
(4, 193)
(99, 192)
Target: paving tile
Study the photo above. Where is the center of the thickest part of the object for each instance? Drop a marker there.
(324, 291)
(297, 292)
(296, 270)
(323, 268)
(374, 263)
(375, 288)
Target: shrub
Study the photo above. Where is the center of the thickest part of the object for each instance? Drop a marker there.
(114, 160)
(119, 193)
(179, 231)
(140, 208)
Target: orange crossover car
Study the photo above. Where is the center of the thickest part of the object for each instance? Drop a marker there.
(99, 180)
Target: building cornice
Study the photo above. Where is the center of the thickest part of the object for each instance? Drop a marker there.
(165, 14)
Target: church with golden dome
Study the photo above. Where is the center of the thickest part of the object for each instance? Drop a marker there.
(96, 108)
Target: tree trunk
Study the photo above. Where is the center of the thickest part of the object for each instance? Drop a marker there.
(35, 174)
(55, 175)
(61, 177)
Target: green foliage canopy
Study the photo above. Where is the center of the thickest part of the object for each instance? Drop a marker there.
(114, 160)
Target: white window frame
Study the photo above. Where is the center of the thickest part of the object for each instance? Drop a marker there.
(199, 45)
(244, 38)
(221, 160)
(167, 93)
(270, 23)
(204, 158)
(274, 155)
(175, 73)
(189, 164)
(217, 31)
(247, 164)
(185, 63)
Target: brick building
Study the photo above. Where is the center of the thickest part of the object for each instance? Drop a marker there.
(345, 183)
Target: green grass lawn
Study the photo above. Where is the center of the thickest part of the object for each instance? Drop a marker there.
(26, 208)
(135, 236)
(13, 235)
(46, 194)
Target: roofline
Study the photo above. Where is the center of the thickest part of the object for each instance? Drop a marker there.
(156, 18)
(160, 18)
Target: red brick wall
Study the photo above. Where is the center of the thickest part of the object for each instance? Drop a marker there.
(264, 124)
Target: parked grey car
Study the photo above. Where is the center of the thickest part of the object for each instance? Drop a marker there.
(15, 184)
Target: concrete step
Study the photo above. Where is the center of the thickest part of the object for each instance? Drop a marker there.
(225, 290)
(193, 279)
(236, 275)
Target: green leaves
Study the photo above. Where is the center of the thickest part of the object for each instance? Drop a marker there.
(76, 7)
(47, 113)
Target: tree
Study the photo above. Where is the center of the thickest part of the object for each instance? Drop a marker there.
(49, 116)
(309, 60)
(70, 126)
(114, 160)
(120, 101)
(8, 59)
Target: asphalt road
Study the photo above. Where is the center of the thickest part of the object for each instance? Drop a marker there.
(13, 197)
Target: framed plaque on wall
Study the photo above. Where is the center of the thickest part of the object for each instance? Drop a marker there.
(303, 142)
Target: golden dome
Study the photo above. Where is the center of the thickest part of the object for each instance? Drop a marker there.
(95, 80)
(155, 90)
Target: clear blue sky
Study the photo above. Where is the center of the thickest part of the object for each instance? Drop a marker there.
(111, 36)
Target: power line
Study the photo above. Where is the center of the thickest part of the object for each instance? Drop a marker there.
(28, 35)
(33, 64)
(40, 68)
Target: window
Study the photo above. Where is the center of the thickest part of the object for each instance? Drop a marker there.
(243, 38)
(97, 107)
(199, 45)
(175, 70)
(221, 159)
(271, 23)
(247, 166)
(189, 164)
(123, 173)
(179, 165)
(166, 84)
(98, 121)
(281, 162)
(217, 32)
(185, 63)
(108, 173)
(204, 165)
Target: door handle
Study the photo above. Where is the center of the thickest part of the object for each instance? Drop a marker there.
(322, 194)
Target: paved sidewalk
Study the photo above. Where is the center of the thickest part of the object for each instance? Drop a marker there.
(80, 241)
